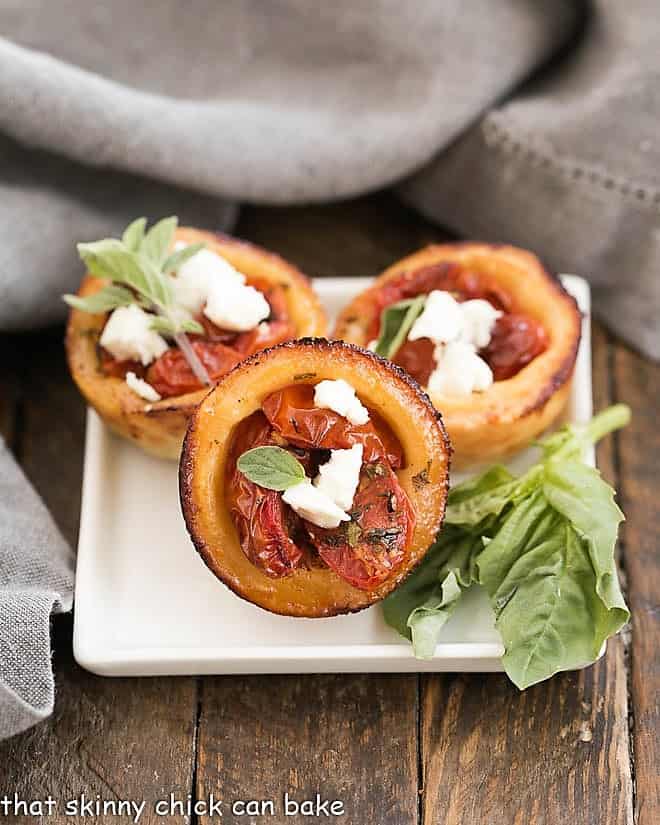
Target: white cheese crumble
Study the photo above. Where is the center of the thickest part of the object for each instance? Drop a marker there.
(339, 477)
(236, 307)
(128, 336)
(141, 387)
(210, 283)
(325, 500)
(441, 319)
(458, 330)
(479, 318)
(194, 278)
(459, 370)
(340, 397)
(314, 505)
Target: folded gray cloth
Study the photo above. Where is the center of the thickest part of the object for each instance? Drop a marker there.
(112, 110)
(36, 579)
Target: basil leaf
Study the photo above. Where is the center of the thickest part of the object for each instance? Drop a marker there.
(133, 234)
(158, 240)
(551, 618)
(579, 493)
(110, 297)
(271, 467)
(542, 545)
(176, 259)
(395, 323)
(419, 608)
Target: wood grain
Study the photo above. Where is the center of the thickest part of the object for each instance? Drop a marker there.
(558, 752)
(120, 739)
(349, 738)
(637, 382)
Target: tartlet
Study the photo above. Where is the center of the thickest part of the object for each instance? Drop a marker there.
(159, 427)
(526, 397)
(406, 466)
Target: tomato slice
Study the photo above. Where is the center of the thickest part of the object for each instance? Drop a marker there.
(369, 548)
(262, 336)
(292, 413)
(265, 524)
(170, 374)
(515, 342)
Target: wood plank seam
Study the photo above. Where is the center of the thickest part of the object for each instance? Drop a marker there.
(627, 631)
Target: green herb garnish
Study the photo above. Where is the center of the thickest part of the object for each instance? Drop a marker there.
(271, 467)
(395, 323)
(137, 266)
(542, 545)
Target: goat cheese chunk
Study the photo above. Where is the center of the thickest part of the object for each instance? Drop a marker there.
(339, 477)
(128, 336)
(479, 318)
(340, 397)
(141, 387)
(314, 505)
(459, 371)
(195, 277)
(236, 307)
(441, 319)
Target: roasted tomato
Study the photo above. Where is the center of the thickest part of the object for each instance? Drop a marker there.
(449, 277)
(292, 413)
(516, 340)
(417, 359)
(171, 374)
(363, 551)
(367, 549)
(219, 349)
(264, 523)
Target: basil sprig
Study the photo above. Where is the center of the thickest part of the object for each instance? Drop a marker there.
(542, 546)
(271, 467)
(137, 267)
(395, 323)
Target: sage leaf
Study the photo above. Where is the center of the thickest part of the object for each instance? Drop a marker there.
(106, 299)
(271, 467)
(395, 323)
(133, 234)
(157, 241)
(176, 259)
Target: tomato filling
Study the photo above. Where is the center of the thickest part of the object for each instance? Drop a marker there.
(218, 349)
(364, 551)
(516, 338)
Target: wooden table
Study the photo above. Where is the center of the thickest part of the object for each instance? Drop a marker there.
(397, 749)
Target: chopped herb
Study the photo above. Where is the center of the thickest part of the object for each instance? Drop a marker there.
(422, 478)
(353, 533)
(374, 470)
(304, 376)
(386, 536)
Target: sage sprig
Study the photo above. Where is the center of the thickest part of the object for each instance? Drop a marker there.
(138, 268)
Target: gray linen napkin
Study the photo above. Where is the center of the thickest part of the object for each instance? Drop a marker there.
(111, 110)
(35, 581)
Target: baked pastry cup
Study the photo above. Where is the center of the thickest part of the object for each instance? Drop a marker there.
(208, 460)
(513, 411)
(159, 427)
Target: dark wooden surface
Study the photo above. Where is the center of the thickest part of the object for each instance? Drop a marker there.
(396, 749)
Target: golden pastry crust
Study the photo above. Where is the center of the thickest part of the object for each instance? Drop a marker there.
(383, 388)
(512, 412)
(159, 427)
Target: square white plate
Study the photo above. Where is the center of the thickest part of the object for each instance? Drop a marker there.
(147, 605)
